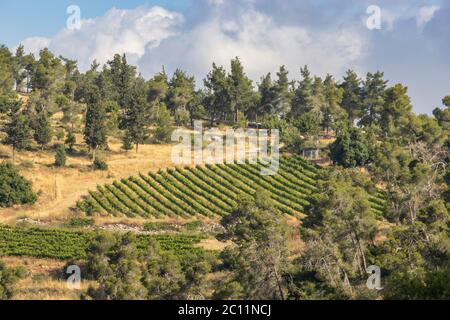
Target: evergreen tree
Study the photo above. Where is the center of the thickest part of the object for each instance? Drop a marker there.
(60, 155)
(181, 91)
(17, 129)
(334, 116)
(267, 97)
(95, 129)
(374, 98)
(218, 93)
(303, 98)
(241, 89)
(396, 112)
(42, 129)
(136, 119)
(352, 98)
(282, 91)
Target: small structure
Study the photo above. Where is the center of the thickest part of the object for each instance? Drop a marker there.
(311, 153)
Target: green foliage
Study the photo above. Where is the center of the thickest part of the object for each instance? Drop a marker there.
(8, 279)
(100, 164)
(79, 223)
(60, 155)
(17, 129)
(14, 189)
(71, 141)
(351, 148)
(64, 244)
(259, 258)
(163, 132)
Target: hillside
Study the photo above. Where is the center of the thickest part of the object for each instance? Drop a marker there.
(209, 191)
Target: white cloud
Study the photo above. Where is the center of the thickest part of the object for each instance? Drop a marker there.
(426, 14)
(118, 31)
(152, 37)
(35, 44)
(261, 44)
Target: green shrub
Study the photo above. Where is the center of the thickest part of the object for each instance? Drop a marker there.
(79, 223)
(14, 189)
(99, 164)
(60, 156)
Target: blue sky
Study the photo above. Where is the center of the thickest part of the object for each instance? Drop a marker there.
(412, 46)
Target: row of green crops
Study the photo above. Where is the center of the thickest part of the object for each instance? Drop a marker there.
(208, 191)
(64, 244)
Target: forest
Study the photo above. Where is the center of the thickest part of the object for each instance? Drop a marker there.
(377, 194)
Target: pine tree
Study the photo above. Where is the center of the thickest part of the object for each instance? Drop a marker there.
(352, 99)
(218, 93)
(267, 97)
(241, 89)
(396, 112)
(334, 115)
(137, 115)
(95, 130)
(303, 97)
(17, 129)
(374, 98)
(42, 129)
(181, 91)
(282, 92)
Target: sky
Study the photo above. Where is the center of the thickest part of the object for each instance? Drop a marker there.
(411, 45)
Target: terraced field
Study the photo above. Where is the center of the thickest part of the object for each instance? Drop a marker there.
(211, 190)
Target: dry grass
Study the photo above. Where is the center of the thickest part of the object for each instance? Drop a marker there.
(44, 280)
(60, 188)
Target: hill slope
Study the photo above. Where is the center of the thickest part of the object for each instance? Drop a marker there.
(212, 190)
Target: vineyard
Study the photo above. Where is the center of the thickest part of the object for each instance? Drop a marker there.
(211, 190)
(63, 244)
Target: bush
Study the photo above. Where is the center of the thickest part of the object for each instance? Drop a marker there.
(99, 164)
(60, 156)
(181, 117)
(14, 189)
(8, 279)
(71, 140)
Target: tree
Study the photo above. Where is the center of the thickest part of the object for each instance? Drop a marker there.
(113, 260)
(350, 149)
(267, 97)
(283, 92)
(71, 140)
(95, 130)
(163, 122)
(396, 112)
(6, 71)
(352, 98)
(60, 155)
(8, 280)
(218, 94)
(18, 131)
(259, 258)
(121, 75)
(303, 98)
(14, 189)
(181, 91)
(333, 115)
(241, 89)
(42, 129)
(136, 119)
(338, 230)
(374, 98)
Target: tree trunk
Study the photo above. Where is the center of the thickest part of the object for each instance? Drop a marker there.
(93, 154)
(137, 148)
(13, 153)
